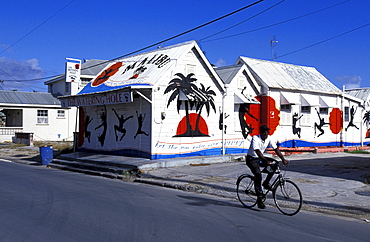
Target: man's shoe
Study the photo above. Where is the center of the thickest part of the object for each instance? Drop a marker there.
(261, 205)
(267, 186)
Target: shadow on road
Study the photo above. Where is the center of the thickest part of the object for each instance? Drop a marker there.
(356, 167)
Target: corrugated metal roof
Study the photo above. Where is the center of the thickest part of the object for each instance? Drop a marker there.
(288, 76)
(37, 98)
(93, 67)
(362, 93)
(227, 73)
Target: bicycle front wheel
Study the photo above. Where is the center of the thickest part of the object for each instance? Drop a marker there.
(245, 191)
(287, 197)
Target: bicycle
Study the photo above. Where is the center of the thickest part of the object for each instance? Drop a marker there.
(287, 195)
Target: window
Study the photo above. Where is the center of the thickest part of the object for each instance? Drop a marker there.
(241, 82)
(67, 87)
(84, 81)
(346, 114)
(285, 114)
(61, 114)
(324, 111)
(285, 107)
(190, 69)
(42, 116)
(306, 114)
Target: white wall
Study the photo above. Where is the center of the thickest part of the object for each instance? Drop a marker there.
(57, 129)
(165, 142)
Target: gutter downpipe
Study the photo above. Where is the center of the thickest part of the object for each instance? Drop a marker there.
(75, 139)
(223, 120)
(362, 114)
(342, 109)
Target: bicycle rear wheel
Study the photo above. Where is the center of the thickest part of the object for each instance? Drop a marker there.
(245, 191)
(287, 197)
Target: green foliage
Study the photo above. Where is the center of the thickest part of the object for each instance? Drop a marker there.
(358, 152)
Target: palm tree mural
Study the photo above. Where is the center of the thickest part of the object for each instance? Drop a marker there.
(183, 89)
(208, 103)
(366, 120)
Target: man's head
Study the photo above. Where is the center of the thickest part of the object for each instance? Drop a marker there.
(264, 132)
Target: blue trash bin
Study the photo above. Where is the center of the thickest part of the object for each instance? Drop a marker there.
(46, 154)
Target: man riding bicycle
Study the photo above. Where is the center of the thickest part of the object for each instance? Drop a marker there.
(255, 159)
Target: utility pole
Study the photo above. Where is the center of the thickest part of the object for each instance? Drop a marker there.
(273, 43)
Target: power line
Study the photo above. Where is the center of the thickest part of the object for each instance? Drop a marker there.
(27, 34)
(320, 42)
(242, 21)
(178, 35)
(275, 24)
(160, 42)
(38, 26)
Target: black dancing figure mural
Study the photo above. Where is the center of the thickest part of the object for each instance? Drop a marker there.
(246, 128)
(104, 123)
(87, 133)
(140, 121)
(351, 118)
(119, 128)
(320, 125)
(296, 130)
(223, 116)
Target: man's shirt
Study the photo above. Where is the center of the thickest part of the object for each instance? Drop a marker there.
(258, 144)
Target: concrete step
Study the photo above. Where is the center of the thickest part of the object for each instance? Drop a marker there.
(121, 167)
(106, 163)
(109, 170)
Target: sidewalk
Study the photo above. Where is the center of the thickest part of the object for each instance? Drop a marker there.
(335, 183)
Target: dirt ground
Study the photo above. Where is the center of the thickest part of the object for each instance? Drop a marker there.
(10, 151)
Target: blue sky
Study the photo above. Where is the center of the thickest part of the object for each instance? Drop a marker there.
(37, 36)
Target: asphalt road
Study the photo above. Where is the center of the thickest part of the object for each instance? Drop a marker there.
(40, 204)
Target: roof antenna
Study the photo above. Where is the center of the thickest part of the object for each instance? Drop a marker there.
(273, 43)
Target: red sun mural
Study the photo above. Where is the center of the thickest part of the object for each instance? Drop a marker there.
(260, 114)
(106, 74)
(202, 126)
(336, 120)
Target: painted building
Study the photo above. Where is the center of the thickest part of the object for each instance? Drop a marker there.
(160, 104)
(364, 95)
(171, 102)
(299, 104)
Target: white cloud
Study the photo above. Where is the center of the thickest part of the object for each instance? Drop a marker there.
(15, 73)
(6, 48)
(349, 82)
(220, 63)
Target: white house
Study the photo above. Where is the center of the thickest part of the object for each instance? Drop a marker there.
(364, 95)
(34, 116)
(58, 86)
(298, 103)
(39, 116)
